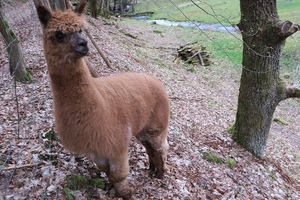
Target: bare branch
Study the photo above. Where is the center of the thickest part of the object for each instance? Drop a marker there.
(93, 72)
(288, 28)
(292, 92)
(20, 167)
(98, 49)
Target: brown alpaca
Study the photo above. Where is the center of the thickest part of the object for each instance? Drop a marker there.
(97, 117)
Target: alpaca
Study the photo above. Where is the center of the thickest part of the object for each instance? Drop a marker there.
(97, 117)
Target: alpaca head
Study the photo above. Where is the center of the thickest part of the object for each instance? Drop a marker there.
(62, 32)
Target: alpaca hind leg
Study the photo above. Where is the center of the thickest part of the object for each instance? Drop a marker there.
(119, 170)
(157, 147)
(160, 149)
(150, 152)
(102, 164)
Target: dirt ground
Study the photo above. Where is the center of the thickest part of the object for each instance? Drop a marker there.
(203, 107)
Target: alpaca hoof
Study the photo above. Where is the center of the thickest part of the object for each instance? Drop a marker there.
(123, 190)
(156, 174)
(159, 174)
(125, 194)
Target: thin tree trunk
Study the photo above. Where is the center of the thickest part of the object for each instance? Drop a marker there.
(42, 2)
(58, 5)
(17, 64)
(121, 7)
(94, 8)
(261, 88)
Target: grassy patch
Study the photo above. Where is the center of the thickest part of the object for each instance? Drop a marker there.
(69, 194)
(78, 182)
(209, 11)
(280, 121)
(224, 46)
(230, 162)
(157, 32)
(229, 48)
(50, 141)
(213, 158)
(288, 9)
(270, 173)
(231, 130)
(50, 135)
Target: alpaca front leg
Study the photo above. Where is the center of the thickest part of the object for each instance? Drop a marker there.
(119, 170)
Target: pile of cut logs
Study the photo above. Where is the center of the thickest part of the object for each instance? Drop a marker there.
(193, 53)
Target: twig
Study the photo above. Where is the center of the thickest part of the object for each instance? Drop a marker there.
(128, 34)
(98, 49)
(200, 58)
(93, 72)
(193, 56)
(184, 99)
(189, 43)
(292, 92)
(17, 107)
(19, 167)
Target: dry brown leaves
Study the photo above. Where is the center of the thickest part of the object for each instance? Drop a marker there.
(203, 106)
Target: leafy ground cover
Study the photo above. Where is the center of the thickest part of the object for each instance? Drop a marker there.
(204, 162)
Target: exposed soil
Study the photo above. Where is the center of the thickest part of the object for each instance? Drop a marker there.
(203, 107)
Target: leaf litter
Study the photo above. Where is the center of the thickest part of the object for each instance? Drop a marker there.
(203, 108)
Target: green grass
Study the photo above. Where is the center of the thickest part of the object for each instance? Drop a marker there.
(213, 158)
(79, 182)
(289, 10)
(222, 46)
(209, 11)
(229, 48)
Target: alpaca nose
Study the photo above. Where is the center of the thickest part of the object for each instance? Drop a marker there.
(82, 42)
(80, 45)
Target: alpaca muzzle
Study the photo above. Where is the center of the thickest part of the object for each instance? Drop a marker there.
(81, 45)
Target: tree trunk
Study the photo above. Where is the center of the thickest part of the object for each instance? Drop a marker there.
(94, 8)
(42, 2)
(261, 88)
(121, 11)
(58, 4)
(17, 64)
(106, 9)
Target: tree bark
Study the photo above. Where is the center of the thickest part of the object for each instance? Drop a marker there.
(17, 64)
(42, 2)
(261, 88)
(58, 4)
(54, 4)
(94, 8)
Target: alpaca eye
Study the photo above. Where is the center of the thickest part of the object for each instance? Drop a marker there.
(59, 36)
(80, 31)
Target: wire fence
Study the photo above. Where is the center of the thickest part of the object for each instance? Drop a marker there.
(24, 112)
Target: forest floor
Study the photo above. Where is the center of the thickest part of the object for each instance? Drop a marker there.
(203, 108)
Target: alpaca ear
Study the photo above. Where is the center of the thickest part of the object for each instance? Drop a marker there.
(80, 7)
(44, 14)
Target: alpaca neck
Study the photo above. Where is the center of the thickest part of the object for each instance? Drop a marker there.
(69, 75)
